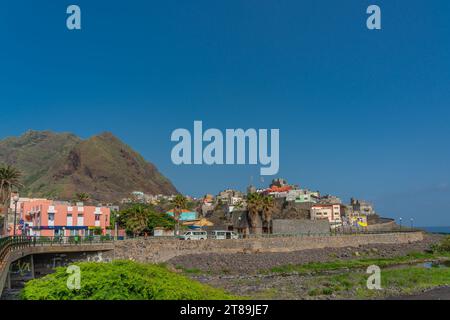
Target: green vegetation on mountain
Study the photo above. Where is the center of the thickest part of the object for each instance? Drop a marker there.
(59, 165)
(120, 280)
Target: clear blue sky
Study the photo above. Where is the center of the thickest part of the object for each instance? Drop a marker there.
(361, 113)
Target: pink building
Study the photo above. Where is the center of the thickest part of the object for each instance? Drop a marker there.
(56, 218)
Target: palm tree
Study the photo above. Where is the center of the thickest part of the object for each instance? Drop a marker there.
(268, 206)
(82, 197)
(179, 203)
(137, 219)
(9, 180)
(254, 207)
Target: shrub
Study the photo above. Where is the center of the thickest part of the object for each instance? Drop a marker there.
(121, 280)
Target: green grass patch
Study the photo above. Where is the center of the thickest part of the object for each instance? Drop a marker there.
(358, 263)
(192, 271)
(394, 282)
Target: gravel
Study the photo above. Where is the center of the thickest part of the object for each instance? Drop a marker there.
(247, 263)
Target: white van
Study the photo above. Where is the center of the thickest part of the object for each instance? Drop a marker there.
(223, 234)
(194, 235)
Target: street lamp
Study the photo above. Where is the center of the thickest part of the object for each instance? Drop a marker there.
(400, 223)
(412, 222)
(15, 200)
(116, 231)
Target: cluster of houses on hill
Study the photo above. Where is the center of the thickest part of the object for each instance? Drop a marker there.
(141, 197)
(294, 206)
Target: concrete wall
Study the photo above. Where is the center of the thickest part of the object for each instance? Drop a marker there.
(161, 250)
(292, 226)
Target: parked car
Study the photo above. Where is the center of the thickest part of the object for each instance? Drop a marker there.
(223, 234)
(194, 235)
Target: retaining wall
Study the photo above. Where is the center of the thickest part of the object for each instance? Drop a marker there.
(160, 250)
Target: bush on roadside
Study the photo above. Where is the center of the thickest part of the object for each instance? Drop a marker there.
(121, 280)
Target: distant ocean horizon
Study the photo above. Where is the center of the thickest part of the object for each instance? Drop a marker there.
(436, 229)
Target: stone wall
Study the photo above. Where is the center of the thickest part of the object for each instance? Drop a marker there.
(161, 250)
(384, 225)
(296, 226)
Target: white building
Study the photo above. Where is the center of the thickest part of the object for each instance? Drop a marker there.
(330, 212)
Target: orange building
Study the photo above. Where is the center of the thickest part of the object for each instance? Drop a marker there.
(56, 218)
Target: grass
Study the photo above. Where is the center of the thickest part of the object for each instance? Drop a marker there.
(314, 267)
(352, 282)
(395, 282)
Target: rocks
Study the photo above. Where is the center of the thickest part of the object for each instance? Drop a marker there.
(251, 263)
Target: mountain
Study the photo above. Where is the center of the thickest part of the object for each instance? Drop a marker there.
(58, 165)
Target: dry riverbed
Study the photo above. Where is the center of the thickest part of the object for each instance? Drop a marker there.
(332, 273)
(249, 263)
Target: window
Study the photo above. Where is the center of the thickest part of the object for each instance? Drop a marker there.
(97, 217)
(69, 220)
(80, 220)
(51, 219)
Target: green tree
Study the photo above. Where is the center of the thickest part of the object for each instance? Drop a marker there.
(160, 220)
(268, 207)
(179, 203)
(9, 180)
(140, 218)
(254, 207)
(135, 219)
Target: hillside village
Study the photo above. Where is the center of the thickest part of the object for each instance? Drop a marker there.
(291, 210)
(281, 208)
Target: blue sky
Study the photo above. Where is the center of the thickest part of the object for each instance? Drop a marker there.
(361, 113)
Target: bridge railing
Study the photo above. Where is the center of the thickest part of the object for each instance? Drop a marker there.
(8, 244)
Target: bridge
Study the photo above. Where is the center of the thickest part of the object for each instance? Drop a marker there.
(13, 249)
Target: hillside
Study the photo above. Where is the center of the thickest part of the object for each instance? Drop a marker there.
(58, 165)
